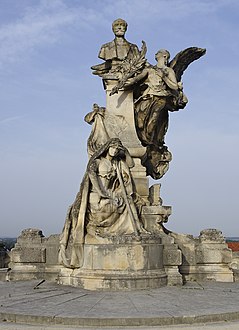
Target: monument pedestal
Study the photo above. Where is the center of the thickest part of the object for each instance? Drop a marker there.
(126, 263)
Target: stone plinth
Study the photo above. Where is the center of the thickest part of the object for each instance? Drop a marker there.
(125, 264)
(172, 259)
(206, 257)
(34, 256)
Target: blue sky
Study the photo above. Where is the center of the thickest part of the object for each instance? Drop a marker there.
(47, 48)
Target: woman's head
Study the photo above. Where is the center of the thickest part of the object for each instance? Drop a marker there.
(115, 148)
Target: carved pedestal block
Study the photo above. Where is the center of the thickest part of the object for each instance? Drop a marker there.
(205, 258)
(34, 256)
(126, 264)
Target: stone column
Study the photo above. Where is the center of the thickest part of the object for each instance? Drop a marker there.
(119, 122)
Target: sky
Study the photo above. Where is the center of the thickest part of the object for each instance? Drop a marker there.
(46, 87)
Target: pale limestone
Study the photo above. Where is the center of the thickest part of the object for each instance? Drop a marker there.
(205, 258)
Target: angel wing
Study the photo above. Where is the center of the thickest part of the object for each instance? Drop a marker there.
(182, 60)
(132, 65)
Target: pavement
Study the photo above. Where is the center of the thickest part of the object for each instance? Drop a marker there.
(212, 326)
(50, 306)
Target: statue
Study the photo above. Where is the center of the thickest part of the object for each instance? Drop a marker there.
(157, 90)
(156, 93)
(115, 51)
(114, 236)
(106, 204)
(114, 203)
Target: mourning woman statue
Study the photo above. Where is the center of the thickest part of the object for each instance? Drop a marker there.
(106, 204)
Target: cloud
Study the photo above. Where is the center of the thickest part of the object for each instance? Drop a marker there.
(10, 119)
(163, 10)
(39, 26)
(45, 22)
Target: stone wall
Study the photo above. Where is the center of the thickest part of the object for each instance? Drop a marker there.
(34, 256)
(206, 257)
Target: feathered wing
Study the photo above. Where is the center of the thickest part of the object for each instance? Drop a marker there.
(182, 60)
(131, 66)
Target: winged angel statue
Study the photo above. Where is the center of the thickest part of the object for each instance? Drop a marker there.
(157, 89)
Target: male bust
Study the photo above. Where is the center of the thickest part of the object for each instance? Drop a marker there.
(118, 48)
(115, 51)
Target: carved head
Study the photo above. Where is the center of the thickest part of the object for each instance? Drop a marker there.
(162, 54)
(117, 151)
(95, 107)
(119, 27)
(115, 147)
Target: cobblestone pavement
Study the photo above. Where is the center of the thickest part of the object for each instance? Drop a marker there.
(61, 307)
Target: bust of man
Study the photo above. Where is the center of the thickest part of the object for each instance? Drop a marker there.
(115, 51)
(119, 48)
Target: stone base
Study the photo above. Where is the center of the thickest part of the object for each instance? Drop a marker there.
(206, 258)
(113, 280)
(25, 272)
(201, 273)
(130, 263)
(174, 278)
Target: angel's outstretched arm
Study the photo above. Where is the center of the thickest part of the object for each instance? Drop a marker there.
(132, 81)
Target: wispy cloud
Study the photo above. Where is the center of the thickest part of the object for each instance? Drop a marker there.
(163, 10)
(39, 26)
(10, 119)
(45, 21)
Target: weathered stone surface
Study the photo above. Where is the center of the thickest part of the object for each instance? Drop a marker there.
(51, 244)
(28, 255)
(34, 257)
(119, 122)
(153, 216)
(235, 260)
(211, 272)
(30, 236)
(172, 256)
(127, 265)
(211, 236)
(154, 195)
(206, 257)
(213, 253)
(235, 265)
(114, 281)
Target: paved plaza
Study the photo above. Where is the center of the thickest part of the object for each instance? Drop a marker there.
(234, 325)
(50, 306)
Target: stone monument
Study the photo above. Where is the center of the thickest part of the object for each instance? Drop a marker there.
(114, 236)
